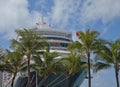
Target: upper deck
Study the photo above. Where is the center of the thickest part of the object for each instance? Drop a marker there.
(53, 32)
(58, 39)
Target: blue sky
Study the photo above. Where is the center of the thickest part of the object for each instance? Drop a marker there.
(71, 15)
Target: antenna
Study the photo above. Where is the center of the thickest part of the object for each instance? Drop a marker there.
(42, 22)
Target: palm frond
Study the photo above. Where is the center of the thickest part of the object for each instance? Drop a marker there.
(100, 66)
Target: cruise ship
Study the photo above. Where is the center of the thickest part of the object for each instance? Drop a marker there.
(58, 41)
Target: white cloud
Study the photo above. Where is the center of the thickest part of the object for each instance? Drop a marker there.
(105, 10)
(64, 10)
(15, 14)
(83, 12)
(60, 12)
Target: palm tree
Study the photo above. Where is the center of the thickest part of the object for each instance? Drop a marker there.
(88, 41)
(28, 44)
(109, 55)
(46, 64)
(13, 63)
(75, 47)
(73, 64)
(1, 53)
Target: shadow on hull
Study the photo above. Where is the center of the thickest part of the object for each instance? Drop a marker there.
(53, 80)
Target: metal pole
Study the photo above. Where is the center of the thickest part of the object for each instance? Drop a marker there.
(36, 79)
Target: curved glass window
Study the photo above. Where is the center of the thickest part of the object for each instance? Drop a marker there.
(58, 38)
(55, 44)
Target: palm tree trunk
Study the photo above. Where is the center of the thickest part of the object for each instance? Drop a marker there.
(28, 69)
(14, 75)
(116, 75)
(89, 73)
(44, 80)
(71, 81)
(36, 80)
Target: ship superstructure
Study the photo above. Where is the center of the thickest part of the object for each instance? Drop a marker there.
(58, 40)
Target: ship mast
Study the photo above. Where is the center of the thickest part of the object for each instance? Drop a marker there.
(42, 23)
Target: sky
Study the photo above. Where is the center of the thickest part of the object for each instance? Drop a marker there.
(71, 15)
